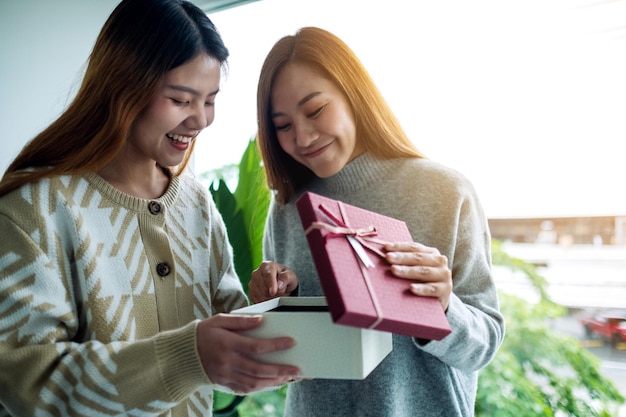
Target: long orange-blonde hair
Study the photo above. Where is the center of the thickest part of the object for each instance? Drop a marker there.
(139, 43)
(377, 128)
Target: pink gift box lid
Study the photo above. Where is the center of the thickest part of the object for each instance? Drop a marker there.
(360, 296)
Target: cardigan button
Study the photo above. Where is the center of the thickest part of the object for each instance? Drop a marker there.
(163, 269)
(154, 207)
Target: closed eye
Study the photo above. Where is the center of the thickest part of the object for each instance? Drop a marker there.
(317, 112)
(179, 102)
(282, 128)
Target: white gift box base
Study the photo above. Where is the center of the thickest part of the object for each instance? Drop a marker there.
(323, 349)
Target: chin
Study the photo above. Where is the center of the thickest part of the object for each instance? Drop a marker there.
(171, 163)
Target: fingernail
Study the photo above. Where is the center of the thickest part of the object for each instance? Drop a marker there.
(416, 289)
(281, 284)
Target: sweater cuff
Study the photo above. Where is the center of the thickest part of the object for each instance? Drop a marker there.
(178, 361)
(440, 347)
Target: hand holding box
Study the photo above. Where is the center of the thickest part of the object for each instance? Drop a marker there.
(323, 349)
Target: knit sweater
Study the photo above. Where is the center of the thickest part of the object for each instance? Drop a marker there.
(441, 209)
(100, 295)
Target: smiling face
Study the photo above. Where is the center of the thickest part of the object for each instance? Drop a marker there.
(313, 120)
(181, 108)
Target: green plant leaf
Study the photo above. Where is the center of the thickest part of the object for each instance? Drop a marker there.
(253, 198)
(236, 229)
(226, 405)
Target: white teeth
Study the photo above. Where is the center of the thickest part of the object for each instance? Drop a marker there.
(179, 138)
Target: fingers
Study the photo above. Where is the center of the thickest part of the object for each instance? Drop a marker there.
(441, 291)
(413, 253)
(415, 261)
(245, 374)
(263, 284)
(233, 322)
(271, 280)
(248, 375)
(423, 264)
(228, 357)
(246, 345)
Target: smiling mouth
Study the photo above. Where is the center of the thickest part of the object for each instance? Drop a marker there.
(316, 152)
(179, 138)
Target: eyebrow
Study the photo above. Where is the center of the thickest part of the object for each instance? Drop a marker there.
(300, 103)
(189, 90)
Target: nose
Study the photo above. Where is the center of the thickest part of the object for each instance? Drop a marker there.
(306, 134)
(201, 117)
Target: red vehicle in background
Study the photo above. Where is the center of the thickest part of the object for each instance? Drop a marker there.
(609, 325)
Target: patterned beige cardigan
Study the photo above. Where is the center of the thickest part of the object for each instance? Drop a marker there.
(100, 294)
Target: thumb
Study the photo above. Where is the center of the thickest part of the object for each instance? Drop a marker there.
(235, 322)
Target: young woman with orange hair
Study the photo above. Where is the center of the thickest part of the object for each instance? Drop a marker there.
(324, 127)
(114, 262)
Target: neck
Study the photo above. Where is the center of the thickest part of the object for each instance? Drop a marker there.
(142, 182)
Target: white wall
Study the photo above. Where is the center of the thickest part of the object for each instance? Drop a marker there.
(44, 46)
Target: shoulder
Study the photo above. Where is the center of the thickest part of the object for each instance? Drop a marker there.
(425, 189)
(189, 182)
(46, 192)
(435, 169)
(191, 190)
(46, 203)
(426, 173)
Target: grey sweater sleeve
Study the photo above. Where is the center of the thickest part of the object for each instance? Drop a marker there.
(473, 313)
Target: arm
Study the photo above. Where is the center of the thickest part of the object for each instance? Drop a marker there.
(473, 313)
(44, 364)
(473, 309)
